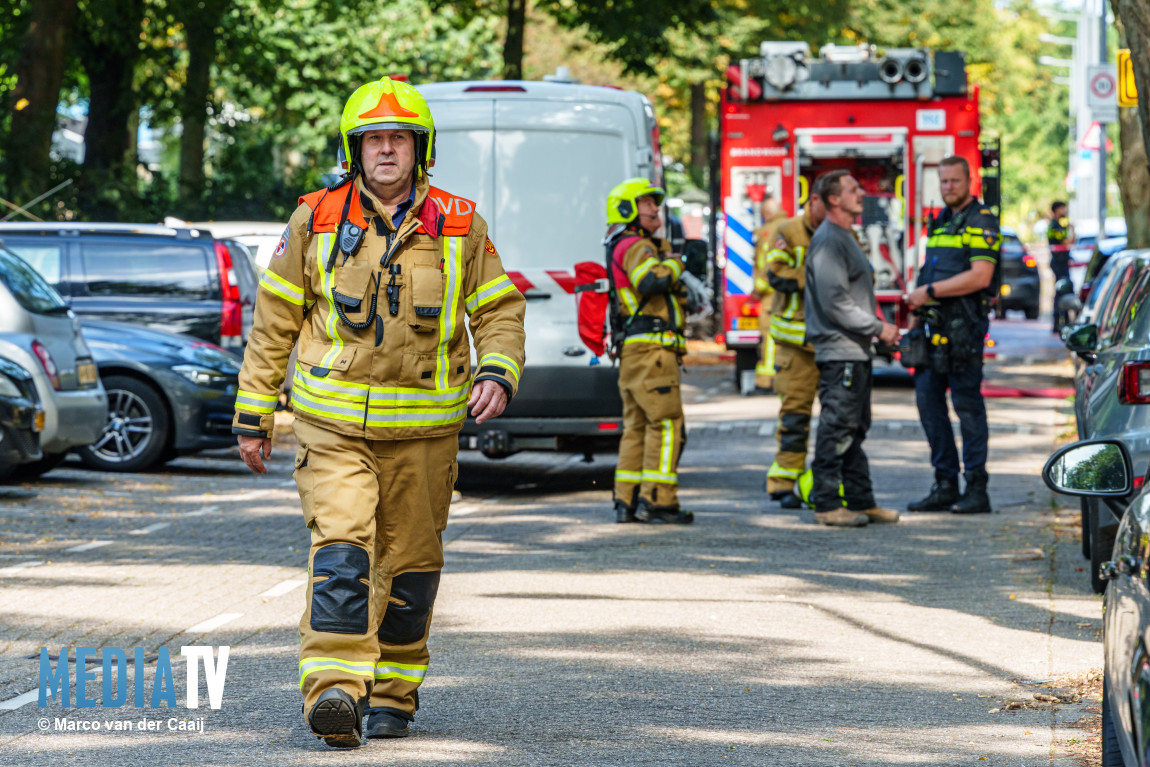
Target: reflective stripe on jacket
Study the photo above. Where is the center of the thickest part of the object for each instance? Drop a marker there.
(786, 273)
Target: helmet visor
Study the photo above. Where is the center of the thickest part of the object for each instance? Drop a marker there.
(386, 126)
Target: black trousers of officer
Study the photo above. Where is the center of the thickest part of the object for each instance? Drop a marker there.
(966, 394)
(844, 419)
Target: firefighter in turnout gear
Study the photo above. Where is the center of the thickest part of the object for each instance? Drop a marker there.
(764, 238)
(649, 327)
(796, 376)
(376, 276)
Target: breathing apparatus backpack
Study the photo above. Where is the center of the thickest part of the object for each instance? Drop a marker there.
(601, 325)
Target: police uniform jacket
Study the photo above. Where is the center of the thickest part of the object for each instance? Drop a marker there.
(958, 239)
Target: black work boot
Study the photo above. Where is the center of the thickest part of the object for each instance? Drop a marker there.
(337, 718)
(975, 499)
(943, 494)
(666, 515)
(787, 499)
(386, 723)
(624, 513)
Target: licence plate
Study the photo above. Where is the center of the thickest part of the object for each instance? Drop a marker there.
(38, 421)
(747, 323)
(86, 372)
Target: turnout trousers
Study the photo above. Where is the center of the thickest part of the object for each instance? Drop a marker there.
(376, 510)
(844, 419)
(653, 434)
(796, 381)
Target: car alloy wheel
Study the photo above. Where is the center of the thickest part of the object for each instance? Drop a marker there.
(137, 429)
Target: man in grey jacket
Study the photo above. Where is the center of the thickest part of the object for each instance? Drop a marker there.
(841, 325)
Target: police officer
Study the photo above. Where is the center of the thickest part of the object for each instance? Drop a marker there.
(650, 289)
(376, 276)
(796, 375)
(961, 260)
(1059, 236)
(764, 237)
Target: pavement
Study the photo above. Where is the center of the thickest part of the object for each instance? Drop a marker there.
(752, 637)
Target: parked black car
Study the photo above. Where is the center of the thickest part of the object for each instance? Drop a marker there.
(21, 417)
(168, 395)
(181, 280)
(1020, 280)
(1102, 471)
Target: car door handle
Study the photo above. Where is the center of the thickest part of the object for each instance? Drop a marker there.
(535, 294)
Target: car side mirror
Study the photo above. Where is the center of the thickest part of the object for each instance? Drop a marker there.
(695, 258)
(1083, 339)
(1095, 468)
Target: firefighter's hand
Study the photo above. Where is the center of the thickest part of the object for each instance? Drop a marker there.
(889, 334)
(917, 297)
(488, 399)
(250, 449)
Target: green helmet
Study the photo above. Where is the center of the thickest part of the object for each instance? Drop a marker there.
(623, 200)
(382, 104)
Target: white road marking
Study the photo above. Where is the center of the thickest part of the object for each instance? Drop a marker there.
(88, 546)
(462, 511)
(203, 511)
(150, 528)
(23, 699)
(283, 588)
(251, 495)
(213, 623)
(21, 566)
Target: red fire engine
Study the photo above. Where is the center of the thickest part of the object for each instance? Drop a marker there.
(786, 117)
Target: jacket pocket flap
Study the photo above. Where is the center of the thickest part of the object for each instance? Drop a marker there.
(313, 360)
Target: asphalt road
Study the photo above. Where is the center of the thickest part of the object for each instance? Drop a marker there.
(560, 638)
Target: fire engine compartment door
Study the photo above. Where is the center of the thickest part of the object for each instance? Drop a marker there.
(884, 142)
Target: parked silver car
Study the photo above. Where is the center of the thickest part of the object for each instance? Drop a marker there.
(39, 332)
(1112, 387)
(1101, 471)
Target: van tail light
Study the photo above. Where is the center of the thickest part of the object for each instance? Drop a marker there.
(1134, 384)
(751, 309)
(232, 313)
(1030, 262)
(47, 363)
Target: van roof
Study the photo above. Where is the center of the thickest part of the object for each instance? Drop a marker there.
(530, 89)
(62, 227)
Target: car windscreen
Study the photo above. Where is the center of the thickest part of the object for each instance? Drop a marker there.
(30, 290)
(1012, 247)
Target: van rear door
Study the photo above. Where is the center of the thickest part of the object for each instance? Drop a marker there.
(540, 176)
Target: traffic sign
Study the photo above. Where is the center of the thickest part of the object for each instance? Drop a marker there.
(1101, 91)
(1127, 90)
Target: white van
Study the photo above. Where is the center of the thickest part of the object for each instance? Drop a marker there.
(538, 159)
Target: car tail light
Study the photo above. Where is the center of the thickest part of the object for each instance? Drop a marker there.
(1029, 262)
(1134, 383)
(608, 426)
(751, 309)
(1083, 292)
(231, 313)
(1139, 482)
(47, 363)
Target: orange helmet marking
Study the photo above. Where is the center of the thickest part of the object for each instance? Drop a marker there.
(388, 106)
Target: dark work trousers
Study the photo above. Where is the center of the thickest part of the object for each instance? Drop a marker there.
(1060, 265)
(844, 418)
(966, 395)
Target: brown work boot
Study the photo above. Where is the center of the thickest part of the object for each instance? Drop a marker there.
(841, 518)
(880, 516)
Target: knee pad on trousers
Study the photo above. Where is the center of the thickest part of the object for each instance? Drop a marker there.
(406, 622)
(339, 604)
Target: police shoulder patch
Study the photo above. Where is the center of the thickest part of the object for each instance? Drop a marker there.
(281, 248)
(990, 237)
(489, 247)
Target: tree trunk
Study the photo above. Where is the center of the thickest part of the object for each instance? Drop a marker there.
(513, 45)
(1134, 16)
(110, 62)
(39, 73)
(1134, 180)
(201, 31)
(698, 134)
